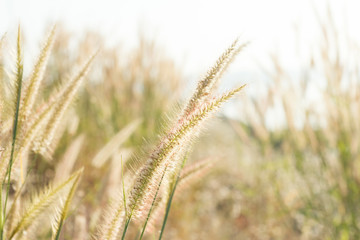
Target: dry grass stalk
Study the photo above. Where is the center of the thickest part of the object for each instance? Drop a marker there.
(113, 145)
(67, 162)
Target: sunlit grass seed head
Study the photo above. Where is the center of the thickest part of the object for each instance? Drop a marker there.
(34, 82)
(166, 158)
(175, 142)
(63, 100)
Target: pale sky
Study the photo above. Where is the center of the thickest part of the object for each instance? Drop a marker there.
(193, 32)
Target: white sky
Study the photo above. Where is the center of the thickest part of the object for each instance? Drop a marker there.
(193, 32)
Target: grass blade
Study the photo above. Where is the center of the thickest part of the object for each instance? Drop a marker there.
(113, 145)
(66, 207)
(152, 204)
(170, 198)
(19, 76)
(39, 204)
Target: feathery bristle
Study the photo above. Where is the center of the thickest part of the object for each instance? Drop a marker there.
(113, 221)
(149, 175)
(39, 203)
(208, 83)
(65, 97)
(33, 85)
(60, 218)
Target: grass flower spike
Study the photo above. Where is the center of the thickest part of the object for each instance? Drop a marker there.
(169, 152)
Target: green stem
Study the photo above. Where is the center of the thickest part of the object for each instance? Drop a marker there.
(152, 204)
(126, 227)
(16, 117)
(171, 198)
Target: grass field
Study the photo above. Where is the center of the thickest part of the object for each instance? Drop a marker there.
(101, 144)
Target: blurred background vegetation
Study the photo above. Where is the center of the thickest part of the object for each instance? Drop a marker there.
(287, 166)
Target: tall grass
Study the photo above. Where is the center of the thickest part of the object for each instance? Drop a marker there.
(312, 158)
(44, 122)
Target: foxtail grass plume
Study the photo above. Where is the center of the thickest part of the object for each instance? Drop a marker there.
(174, 144)
(65, 96)
(63, 212)
(41, 202)
(37, 75)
